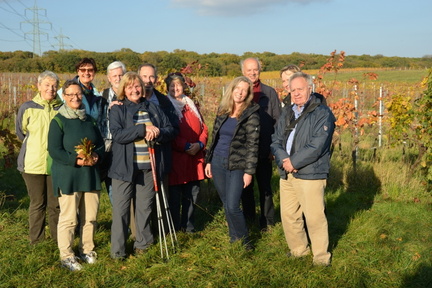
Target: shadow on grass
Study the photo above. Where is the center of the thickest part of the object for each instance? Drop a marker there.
(13, 186)
(207, 206)
(357, 194)
(423, 278)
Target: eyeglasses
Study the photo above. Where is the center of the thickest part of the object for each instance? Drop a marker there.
(83, 70)
(77, 95)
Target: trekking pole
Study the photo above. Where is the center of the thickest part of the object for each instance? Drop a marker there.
(158, 203)
(170, 222)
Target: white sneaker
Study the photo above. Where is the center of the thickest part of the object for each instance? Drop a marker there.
(71, 263)
(89, 258)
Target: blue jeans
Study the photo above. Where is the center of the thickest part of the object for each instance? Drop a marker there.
(184, 195)
(229, 184)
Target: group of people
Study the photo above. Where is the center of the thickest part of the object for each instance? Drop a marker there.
(76, 138)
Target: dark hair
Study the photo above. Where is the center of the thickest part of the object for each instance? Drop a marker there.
(70, 83)
(174, 76)
(147, 65)
(85, 61)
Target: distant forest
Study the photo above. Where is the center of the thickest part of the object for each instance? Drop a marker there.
(212, 64)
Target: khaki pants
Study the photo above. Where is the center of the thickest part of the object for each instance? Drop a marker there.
(86, 204)
(300, 198)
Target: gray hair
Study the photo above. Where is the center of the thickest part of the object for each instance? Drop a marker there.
(48, 74)
(303, 75)
(254, 58)
(115, 65)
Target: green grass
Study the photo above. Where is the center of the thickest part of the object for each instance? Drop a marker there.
(379, 217)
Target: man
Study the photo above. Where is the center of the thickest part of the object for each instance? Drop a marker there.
(285, 74)
(270, 109)
(115, 71)
(301, 146)
(148, 73)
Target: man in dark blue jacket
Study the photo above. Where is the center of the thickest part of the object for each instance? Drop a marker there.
(301, 146)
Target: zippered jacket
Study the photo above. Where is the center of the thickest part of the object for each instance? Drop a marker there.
(310, 152)
(32, 126)
(243, 152)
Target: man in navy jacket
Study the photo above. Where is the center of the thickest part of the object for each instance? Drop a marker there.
(301, 146)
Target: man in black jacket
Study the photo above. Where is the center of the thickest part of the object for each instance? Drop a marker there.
(270, 109)
(301, 146)
(148, 73)
(115, 72)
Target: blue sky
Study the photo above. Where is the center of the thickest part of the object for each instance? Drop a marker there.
(386, 27)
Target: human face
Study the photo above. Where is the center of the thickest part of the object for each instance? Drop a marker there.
(73, 96)
(285, 79)
(48, 89)
(240, 92)
(176, 89)
(134, 91)
(148, 76)
(114, 77)
(86, 74)
(251, 70)
(300, 91)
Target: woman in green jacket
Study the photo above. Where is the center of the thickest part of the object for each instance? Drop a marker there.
(75, 174)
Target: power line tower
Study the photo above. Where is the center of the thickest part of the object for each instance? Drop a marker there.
(35, 22)
(61, 45)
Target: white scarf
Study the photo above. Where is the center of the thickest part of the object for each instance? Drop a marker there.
(179, 105)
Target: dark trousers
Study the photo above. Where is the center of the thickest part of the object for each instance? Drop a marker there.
(182, 199)
(42, 201)
(142, 192)
(263, 175)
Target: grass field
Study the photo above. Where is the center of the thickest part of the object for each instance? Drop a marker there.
(379, 223)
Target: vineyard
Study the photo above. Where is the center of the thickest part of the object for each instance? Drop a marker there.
(369, 110)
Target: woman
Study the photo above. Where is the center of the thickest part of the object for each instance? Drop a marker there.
(32, 124)
(76, 179)
(95, 105)
(187, 155)
(133, 125)
(233, 154)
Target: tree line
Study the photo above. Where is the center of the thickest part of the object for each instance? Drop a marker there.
(211, 64)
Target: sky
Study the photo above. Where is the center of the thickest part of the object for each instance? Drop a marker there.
(369, 27)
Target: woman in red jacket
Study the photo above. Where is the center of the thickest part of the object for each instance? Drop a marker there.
(187, 155)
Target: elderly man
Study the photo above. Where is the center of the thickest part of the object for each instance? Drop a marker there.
(115, 71)
(301, 146)
(270, 109)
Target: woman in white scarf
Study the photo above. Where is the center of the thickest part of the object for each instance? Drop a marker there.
(188, 155)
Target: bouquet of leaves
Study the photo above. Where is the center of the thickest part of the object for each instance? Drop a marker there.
(84, 151)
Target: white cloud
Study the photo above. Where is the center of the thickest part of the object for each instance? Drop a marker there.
(234, 7)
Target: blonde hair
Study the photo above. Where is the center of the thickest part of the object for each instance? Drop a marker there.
(227, 104)
(127, 79)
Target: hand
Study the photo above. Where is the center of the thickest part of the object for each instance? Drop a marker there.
(152, 132)
(193, 149)
(287, 165)
(247, 180)
(114, 103)
(207, 170)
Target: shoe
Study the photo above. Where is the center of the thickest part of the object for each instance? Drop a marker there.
(71, 263)
(89, 258)
(322, 264)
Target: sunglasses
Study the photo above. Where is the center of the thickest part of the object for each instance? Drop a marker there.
(83, 70)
